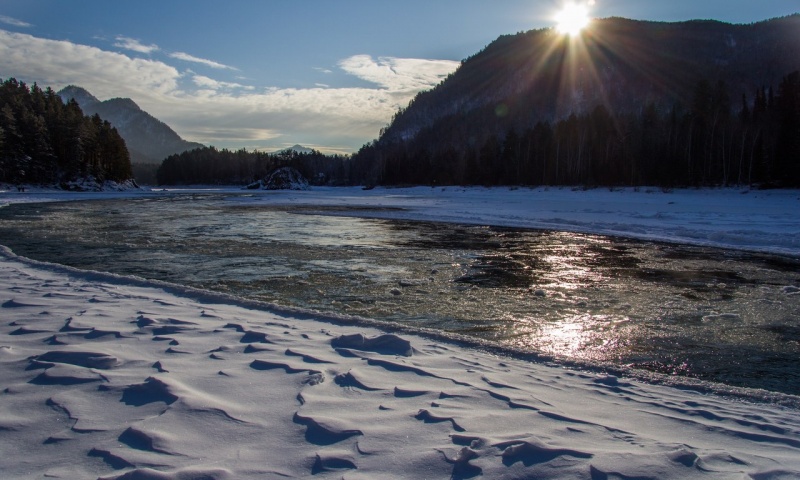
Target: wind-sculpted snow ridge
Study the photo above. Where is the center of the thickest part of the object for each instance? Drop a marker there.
(386, 344)
(126, 379)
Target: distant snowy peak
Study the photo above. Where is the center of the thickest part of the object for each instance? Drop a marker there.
(297, 149)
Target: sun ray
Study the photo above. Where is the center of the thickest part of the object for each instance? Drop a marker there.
(572, 18)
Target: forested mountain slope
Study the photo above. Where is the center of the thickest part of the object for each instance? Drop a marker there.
(149, 139)
(626, 102)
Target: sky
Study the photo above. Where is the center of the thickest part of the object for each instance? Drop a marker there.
(269, 74)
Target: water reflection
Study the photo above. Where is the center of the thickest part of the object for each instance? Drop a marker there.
(720, 315)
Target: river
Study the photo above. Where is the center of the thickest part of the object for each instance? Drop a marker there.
(717, 315)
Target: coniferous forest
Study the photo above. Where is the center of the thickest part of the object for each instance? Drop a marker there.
(44, 141)
(212, 166)
(716, 140)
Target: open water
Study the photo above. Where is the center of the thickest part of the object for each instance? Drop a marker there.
(718, 315)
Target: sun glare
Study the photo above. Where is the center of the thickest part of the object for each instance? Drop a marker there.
(572, 19)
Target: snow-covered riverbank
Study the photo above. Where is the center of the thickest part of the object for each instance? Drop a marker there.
(758, 220)
(752, 220)
(111, 377)
(115, 378)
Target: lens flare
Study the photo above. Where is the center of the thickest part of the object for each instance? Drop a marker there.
(572, 19)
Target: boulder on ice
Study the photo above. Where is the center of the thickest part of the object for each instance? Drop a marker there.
(284, 178)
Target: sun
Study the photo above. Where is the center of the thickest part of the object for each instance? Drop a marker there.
(572, 19)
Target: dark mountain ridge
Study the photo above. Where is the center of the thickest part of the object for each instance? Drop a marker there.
(620, 63)
(149, 140)
(624, 102)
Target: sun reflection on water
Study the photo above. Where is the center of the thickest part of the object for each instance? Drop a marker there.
(567, 267)
(586, 336)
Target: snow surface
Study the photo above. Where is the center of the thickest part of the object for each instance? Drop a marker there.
(103, 376)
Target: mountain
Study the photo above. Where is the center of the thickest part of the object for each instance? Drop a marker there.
(625, 66)
(542, 75)
(296, 149)
(80, 95)
(148, 139)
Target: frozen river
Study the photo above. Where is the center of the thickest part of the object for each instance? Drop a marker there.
(713, 314)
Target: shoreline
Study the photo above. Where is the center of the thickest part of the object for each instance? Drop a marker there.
(756, 221)
(150, 379)
(752, 395)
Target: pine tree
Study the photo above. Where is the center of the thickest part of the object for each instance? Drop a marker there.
(45, 141)
(788, 145)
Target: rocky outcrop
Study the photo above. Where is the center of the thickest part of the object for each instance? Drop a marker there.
(285, 178)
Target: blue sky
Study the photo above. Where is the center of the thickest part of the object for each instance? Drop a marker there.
(271, 73)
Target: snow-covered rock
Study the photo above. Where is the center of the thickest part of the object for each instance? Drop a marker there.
(285, 178)
(91, 184)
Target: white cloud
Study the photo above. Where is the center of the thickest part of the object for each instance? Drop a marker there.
(399, 74)
(191, 58)
(58, 63)
(134, 45)
(14, 22)
(209, 83)
(228, 114)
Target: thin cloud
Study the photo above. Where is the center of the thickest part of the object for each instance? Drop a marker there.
(209, 63)
(134, 45)
(399, 74)
(207, 82)
(239, 134)
(14, 22)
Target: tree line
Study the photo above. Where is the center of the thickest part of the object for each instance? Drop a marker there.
(713, 140)
(45, 141)
(212, 166)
